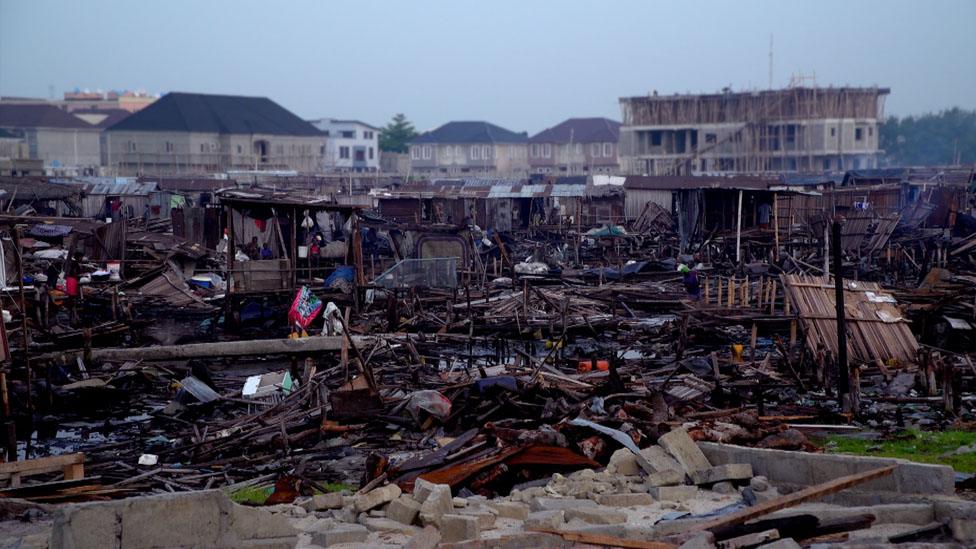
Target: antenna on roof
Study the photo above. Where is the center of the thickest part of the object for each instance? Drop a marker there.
(770, 60)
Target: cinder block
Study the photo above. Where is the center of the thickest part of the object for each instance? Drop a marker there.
(342, 533)
(667, 477)
(172, 520)
(87, 525)
(377, 497)
(674, 493)
(555, 504)
(731, 472)
(455, 528)
(545, 520)
(659, 459)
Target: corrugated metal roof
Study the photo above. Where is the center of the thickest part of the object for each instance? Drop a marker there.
(110, 185)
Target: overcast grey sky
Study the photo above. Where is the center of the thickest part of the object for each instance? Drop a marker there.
(526, 65)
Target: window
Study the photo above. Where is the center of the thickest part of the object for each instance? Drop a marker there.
(371, 153)
(710, 138)
(367, 135)
(475, 152)
(446, 153)
(535, 150)
(608, 150)
(131, 146)
(656, 139)
(833, 132)
(349, 134)
(870, 131)
(240, 149)
(169, 147)
(486, 152)
(826, 166)
(344, 153)
(321, 149)
(594, 149)
(579, 149)
(203, 147)
(428, 153)
(547, 150)
(360, 155)
(457, 152)
(415, 153)
(858, 134)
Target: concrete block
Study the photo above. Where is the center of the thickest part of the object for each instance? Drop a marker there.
(510, 509)
(438, 502)
(555, 504)
(623, 462)
(667, 477)
(724, 487)
(732, 472)
(421, 489)
(459, 503)
(343, 533)
(172, 520)
(377, 497)
(674, 493)
(323, 502)
(596, 515)
(403, 509)
(683, 449)
(545, 520)
(93, 525)
(455, 528)
(659, 459)
(624, 500)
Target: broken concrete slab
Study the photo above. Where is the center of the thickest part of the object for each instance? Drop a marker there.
(555, 504)
(428, 538)
(683, 449)
(437, 503)
(730, 472)
(342, 533)
(403, 509)
(510, 509)
(323, 502)
(667, 477)
(625, 500)
(545, 520)
(659, 459)
(596, 515)
(623, 462)
(377, 497)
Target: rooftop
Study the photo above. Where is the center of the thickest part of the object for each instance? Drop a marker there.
(39, 116)
(580, 130)
(221, 114)
(471, 132)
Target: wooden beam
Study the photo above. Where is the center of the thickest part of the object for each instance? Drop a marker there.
(609, 541)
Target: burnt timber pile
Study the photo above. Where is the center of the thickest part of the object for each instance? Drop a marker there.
(495, 337)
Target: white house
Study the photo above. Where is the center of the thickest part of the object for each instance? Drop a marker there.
(351, 145)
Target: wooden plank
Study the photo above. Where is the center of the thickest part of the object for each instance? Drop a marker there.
(796, 498)
(42, 465)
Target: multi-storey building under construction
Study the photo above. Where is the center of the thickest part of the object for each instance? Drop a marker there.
(795, 129)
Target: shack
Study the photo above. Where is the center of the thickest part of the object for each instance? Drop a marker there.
(503, 204)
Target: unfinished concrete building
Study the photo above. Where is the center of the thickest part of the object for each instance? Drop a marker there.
(793, 130)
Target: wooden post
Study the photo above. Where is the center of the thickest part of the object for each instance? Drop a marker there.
(843, 369)
(738, 231)
(19, 260)
(776, 227)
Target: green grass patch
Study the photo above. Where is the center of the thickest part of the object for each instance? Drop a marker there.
(251, 495)
(257, 495)
(921, 446)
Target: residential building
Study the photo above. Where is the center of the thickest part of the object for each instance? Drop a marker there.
(65, 143)
(577, 146)
(351, 145)
(796, 129)
(185, 133)
(101, 118)
(130, 101)
(470, 148)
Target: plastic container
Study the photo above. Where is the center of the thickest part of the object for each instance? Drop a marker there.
(584, 366)
(71, 286)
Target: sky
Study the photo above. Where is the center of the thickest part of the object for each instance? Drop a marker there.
(523, 64)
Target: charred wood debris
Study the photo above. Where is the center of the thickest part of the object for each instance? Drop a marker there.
(124, 342)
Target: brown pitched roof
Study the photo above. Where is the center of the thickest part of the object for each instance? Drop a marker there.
(39, 116)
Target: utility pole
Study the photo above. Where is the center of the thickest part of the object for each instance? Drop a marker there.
(843, 369)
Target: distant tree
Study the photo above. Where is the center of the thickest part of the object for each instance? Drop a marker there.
(396, 136)
(948, 137)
